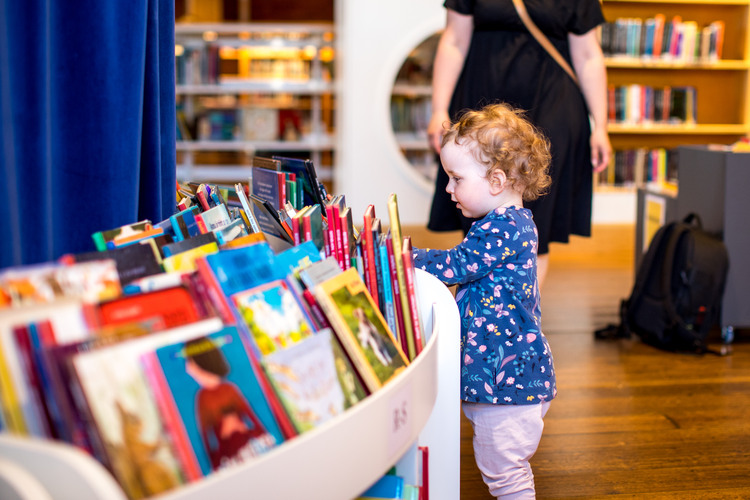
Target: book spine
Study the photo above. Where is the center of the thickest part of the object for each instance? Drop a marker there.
(389, 312)
(411, 291)
(13, 416)
(401, 333)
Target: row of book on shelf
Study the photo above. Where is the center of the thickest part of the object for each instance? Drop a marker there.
(246, 123)
(641, 167)
(180, 347)
(657, 37)
(644, 104)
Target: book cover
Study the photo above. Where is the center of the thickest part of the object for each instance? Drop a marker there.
(175, 306)
(267, 185)
(274, 316)
(131, 427)
(184, 223)
(269, 220)
(361, 328)
(102, 237)
(132, 262)
(390, 487)
(188, 244)
(239, 269)
(215, 218)
(184, 261)
(397, 241)
(214, 388)
(318, 272)
(305, 378)
(122, 241)
(235, 229)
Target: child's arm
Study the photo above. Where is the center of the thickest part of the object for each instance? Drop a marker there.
(476, 256)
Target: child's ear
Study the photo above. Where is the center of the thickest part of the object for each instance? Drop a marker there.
(498, 181)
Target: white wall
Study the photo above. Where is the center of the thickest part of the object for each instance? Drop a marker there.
(374, 38)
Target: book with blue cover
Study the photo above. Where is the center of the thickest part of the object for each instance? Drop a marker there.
(222, 408)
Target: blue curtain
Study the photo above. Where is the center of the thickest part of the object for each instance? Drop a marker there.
(87, 138)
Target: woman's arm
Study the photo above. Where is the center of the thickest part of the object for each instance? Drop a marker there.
(449, 60)
(588, 61)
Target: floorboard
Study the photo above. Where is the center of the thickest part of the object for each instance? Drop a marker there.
(630, 421)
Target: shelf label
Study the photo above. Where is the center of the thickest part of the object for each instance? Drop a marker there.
(400, 420)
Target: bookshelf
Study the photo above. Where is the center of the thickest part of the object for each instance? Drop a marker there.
(246, 89)
(326, 463)
(720, 81)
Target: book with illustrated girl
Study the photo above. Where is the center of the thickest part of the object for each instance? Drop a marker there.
(210, 392)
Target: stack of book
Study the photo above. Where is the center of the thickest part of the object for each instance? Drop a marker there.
(181, 347)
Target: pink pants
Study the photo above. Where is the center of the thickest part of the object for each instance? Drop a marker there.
(505, 439)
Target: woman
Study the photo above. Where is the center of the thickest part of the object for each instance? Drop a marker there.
(486, 54)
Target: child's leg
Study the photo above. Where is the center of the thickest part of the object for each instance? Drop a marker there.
(505, 439)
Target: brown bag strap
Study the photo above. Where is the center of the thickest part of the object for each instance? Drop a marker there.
(543, 41)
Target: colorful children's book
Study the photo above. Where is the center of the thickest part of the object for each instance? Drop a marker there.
(214, 218)
(269, 220)
(132, 262)
(175, 306)
(142, 456)
(305, 378)
(184, 224)
(274, 316)
(305, 172)
(188, 244)
(361, 328)
(185, 260)
(268, 185)
(235, 229)
(239, 269)
(312, 224)
(211, 385)
(388, 307)
(247, 209)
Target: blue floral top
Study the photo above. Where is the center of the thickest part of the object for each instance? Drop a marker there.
(505, 358)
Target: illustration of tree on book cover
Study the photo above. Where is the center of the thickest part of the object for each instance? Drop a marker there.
(223, 409)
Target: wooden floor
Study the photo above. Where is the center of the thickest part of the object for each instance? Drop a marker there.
(629, 422)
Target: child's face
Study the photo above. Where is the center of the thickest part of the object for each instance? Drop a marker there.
(468, 184)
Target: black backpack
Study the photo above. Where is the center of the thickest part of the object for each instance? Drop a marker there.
(678, 289)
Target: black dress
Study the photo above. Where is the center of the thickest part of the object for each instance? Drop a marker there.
(505, 63)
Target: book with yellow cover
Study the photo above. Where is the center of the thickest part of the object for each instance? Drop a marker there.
(397, 240)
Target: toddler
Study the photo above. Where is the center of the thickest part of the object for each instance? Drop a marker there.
(495, 160)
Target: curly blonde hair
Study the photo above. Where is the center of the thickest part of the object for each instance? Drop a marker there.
(506, 140)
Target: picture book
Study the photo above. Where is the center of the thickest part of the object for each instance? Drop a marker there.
(127, 418)
(188, 244)
(244, 240)
(318, 272)
(212, 386)
(102, 237)
(274, 316)
(132, 262)
(175, 306)
(361, 328)
(305, 378)
(239, 269)
(185, 261)
(397, 240)
(290, 261)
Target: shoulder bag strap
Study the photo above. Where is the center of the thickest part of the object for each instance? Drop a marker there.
(543, 41)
